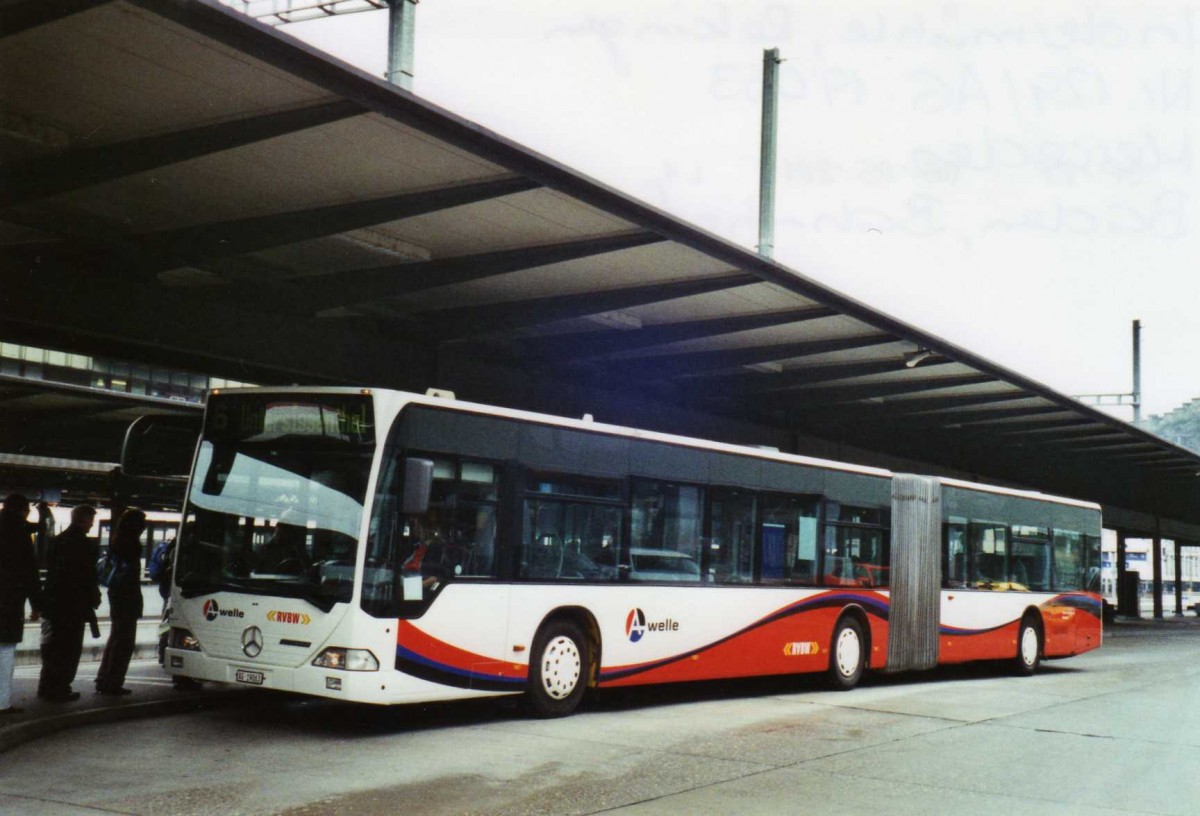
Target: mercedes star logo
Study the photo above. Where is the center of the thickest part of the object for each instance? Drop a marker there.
(252, 642)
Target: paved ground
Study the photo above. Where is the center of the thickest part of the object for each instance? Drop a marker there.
(1114, 731)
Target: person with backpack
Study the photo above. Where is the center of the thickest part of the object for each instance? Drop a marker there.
(158, 568)
(124, 602)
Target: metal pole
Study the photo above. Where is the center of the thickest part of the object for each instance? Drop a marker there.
(402, 24)
(1137, 370)
(1123, 605)
(1178, 578)
(766, 176)
(1156, 575)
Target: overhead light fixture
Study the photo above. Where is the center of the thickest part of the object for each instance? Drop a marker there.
(915, 358)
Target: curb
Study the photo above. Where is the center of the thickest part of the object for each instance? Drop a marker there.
(20, 733)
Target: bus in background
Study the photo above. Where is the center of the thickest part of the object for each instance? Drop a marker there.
(386, 547)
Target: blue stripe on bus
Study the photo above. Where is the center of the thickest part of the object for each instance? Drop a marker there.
(424, 668)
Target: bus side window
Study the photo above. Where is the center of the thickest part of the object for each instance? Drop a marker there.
(987, 556)
(1031, 553)
(731, 548)
(381, 587)
(1069, 560)
(856, 546)
(1092, 561)
(954, 554)
(461, 523)
(789, 540)
(666, 525)
(572, 529)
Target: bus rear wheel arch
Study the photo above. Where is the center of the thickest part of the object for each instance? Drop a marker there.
(848, 649)
(1029, 645)
(560, 667)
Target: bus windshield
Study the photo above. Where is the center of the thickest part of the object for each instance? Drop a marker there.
(275, 512)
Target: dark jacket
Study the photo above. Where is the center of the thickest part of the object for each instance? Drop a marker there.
(125, 586)
(18, 578)
(71, 590)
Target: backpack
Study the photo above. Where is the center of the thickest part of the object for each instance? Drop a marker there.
(159, 566)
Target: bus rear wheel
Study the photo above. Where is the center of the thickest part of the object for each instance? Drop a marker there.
(558, 675)
(846, 655)
(1029, 648)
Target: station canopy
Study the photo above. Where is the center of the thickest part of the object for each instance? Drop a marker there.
(184, 186)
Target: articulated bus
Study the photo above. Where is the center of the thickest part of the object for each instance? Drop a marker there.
(386, 547)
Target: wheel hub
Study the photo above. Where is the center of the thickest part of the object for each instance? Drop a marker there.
(562, 665)
(848, 652)
(1029, 645)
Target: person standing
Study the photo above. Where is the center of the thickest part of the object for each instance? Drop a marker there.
(158, 569)
(124, 602)
(69, 599)
(18, 583)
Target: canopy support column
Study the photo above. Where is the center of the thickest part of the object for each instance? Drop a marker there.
(1156, 554)
(1179, 579)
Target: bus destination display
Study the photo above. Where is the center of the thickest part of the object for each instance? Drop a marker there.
(250, 417)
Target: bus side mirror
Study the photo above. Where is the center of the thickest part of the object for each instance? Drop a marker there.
(161, 445)
(418, 484)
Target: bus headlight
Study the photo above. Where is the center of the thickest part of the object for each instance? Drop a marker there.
(182, 639)
(336, 657)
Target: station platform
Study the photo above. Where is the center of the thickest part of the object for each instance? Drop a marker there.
(153, 692)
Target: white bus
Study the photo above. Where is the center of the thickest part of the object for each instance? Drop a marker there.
(387, 547)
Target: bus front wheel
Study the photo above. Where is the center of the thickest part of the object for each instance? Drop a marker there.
(1029, 648)
(846, 654)
(559, 671)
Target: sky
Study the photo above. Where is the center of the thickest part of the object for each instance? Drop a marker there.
(1017, 178)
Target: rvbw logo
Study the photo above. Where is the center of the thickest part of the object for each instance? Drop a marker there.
(636, 626)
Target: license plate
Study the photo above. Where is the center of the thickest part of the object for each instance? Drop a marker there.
(252, 677)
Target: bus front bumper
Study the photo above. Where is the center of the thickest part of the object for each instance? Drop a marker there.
(305, 679)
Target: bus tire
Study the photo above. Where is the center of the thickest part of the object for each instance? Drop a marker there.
(847, 653)
(558, 673)
(1029, 647)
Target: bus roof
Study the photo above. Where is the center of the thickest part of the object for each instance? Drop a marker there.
(441, 400)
